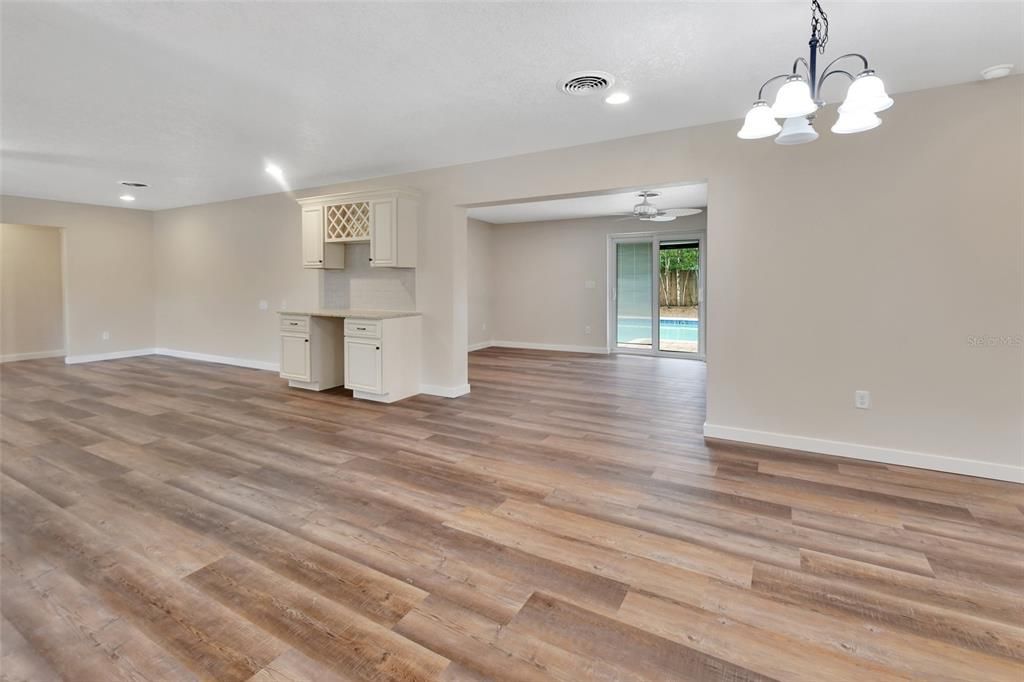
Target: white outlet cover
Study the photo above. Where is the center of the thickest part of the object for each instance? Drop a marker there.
(105, 336)
(862, 400)
(590, 284)
(264, 305)
(586, 330)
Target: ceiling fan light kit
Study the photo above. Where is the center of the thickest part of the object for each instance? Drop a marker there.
(799, 97)
(647, 211)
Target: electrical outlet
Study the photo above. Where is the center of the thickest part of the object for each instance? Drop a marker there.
(586, 330)
(264, 305)
(589, 284)
(105, 336)
(862, 400)
(284, 304)
(483, 326)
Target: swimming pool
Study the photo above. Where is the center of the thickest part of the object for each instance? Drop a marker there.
(637, 330)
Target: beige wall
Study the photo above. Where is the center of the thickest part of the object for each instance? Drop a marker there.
(826, 267)
(31, 302)
(215, 264)
(109, 270)
(539, 275)
(480, 277)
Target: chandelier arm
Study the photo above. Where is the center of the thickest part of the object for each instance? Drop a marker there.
(858, 55)
(760, 92)
(801, 60)
(824, 76)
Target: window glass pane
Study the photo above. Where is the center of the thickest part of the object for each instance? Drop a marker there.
(678, 302)
(634, 294)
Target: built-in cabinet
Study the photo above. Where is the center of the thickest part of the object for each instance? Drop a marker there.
(311, 352)
(386, 219)
(382, 358)
(376, 358)
(316, 253)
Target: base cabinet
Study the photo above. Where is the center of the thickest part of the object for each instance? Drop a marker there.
(382, 358)
(312, 355)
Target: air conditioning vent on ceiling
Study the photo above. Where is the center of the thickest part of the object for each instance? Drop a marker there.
(586, 83)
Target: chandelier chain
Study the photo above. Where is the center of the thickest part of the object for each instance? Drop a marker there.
(819, 25)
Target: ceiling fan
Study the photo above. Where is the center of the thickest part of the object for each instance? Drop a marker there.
(645, 210)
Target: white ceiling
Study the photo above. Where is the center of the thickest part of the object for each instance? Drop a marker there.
(683, 196)
(194, 97)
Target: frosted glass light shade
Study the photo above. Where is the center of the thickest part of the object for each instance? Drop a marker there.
(855, 121)
(759, 122)
(794, 99)
(797, 130)
(866, 93)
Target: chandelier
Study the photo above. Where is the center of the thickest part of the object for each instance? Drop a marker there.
(799, 97)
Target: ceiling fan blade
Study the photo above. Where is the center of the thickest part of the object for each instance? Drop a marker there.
(680, 212)
(662, 218)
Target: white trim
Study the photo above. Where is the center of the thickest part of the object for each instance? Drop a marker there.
(479, 346)
(36, 355)
(871, 453)
(445, 391)
(220, 359)
(564, 348)
(115, 355)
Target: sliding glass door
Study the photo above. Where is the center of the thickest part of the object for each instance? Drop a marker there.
(656, 302)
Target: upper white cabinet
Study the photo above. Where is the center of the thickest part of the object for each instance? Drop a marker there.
(315, 253)
(387, 219)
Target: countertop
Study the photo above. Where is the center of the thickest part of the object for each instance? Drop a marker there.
(346, 312)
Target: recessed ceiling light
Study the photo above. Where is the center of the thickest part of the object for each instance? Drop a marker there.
(127, 197)
(997, 71)
(274, 171)
(617, 98)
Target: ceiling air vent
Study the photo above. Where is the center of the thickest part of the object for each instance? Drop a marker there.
(128, 183)
(586, 83)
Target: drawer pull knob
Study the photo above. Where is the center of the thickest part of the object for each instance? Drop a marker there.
(307, 340)
(378, 347)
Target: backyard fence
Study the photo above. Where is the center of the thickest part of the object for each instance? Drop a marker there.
(678, 288)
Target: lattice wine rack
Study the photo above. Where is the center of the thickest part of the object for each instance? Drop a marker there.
(348, 222)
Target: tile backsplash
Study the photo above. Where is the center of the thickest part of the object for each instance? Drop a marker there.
(361, 286)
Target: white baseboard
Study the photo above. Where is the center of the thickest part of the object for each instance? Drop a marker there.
(871, 453)
(550, 346)
(445, 391)
(115, 355)
(36, 355)
(220, 359)
(480, 346)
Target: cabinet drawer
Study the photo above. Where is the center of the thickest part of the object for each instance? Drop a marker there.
(367, 329)
(295, 323)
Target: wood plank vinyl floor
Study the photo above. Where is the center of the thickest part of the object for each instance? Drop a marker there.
(164, 519)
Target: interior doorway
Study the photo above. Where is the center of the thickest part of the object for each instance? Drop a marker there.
(31, 292)
(656, 302)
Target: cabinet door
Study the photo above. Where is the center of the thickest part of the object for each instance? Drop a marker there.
(363, 371)
(383, 228)
(295, 357)
(313, 237)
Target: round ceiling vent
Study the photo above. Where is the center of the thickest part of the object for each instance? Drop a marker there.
(586, 83)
